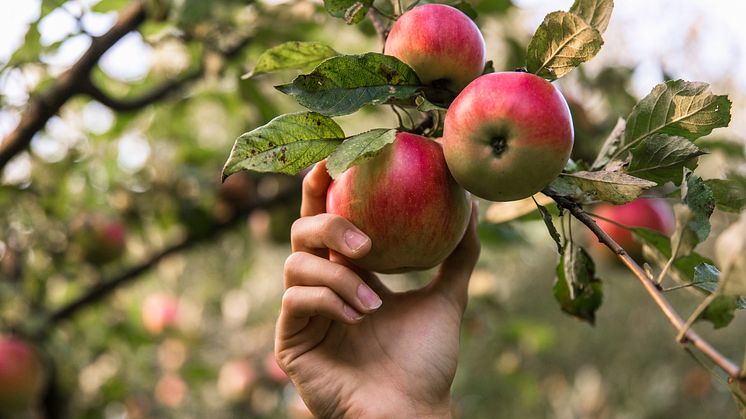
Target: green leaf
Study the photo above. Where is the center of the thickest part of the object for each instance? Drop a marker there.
(738, 390)
(494, 6)
(657, 248)
(576, 287)
(677, 107)
(547, 217)
(730, 149)
(596, 13)
(106, 6)
(615, 187)
(424, 105)
(611, 145)
(294, 55)
(729, 194)
(352, 11)
(730, 249)
(683, 239)
(693, 268)
(567, 187)
(464, 6)
(342, 85)
(720, 312)
(699, 198)
(489, 67)
(286, 144)
(562, 42)
(31, 48)
(358, 148)
(192, 12)
(661, 158)
(706, 277)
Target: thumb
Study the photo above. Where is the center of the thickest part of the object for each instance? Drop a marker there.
(453, 278)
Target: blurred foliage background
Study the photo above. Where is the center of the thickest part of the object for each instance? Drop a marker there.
(125, 198)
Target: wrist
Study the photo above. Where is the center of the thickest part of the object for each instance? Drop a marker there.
(384, 409)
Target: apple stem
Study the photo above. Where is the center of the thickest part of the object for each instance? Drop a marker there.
(687, 335)
(375, 18)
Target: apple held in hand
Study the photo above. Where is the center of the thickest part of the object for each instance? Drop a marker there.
(507, 135)
(21, 375)
(441, 44)
(407, 202)
(652, 213)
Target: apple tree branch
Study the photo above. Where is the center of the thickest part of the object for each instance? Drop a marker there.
(43, 106)
(106, 286)
(687, 335)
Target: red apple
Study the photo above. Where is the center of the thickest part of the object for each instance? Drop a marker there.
(652, 213)
(159, 311)
(21, 375)
(171, 390)
(441, 44)
(507, 135)
(406, 201)
(103, 239)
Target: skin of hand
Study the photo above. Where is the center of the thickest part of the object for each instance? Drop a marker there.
(352, 347)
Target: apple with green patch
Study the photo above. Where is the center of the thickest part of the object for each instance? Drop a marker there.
(406, 201)
(507, 135)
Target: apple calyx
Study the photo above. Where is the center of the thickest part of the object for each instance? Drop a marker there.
(499, 143)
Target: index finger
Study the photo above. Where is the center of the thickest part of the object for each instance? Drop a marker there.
(315, 185)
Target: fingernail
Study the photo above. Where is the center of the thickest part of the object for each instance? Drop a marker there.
(351, 313)
(354, 240)
(369, 298)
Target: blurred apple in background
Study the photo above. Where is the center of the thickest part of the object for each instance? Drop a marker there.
(21, 375)
(102, 238)
(236, 379)
(159, 311)
(171, 390)
(273, 370)
(651, 213)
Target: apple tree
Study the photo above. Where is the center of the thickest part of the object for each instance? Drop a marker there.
(143, 234)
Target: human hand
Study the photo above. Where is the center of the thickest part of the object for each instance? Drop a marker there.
(352, 347)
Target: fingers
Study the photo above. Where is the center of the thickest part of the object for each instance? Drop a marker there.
(304, 302)
(455, 272)
(315, 185)
(320, 232)
(304, 269)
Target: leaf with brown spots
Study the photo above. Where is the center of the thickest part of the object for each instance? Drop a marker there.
(286, 144)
